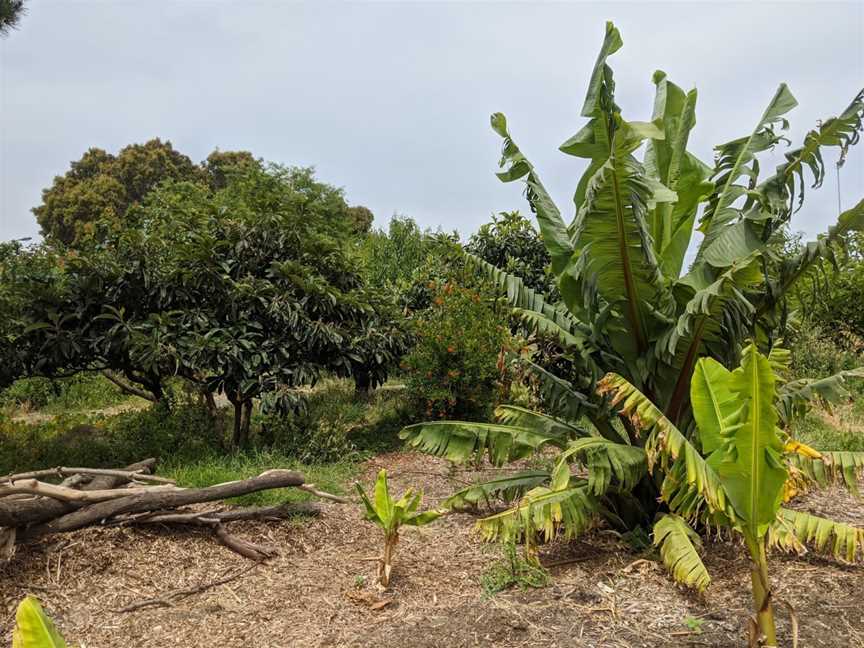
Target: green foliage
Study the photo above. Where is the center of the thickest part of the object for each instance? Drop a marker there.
(335, 424)
(740, 478)
(817, 351)
(511, 243)
(247, 290)
(390, 258)
(453, 370)
(33, 628)
(628, 313)
(79, 392)
(92, 199)
(513, 570)
(11, 12)
(391, 514)
(103, 441)
(210, 467)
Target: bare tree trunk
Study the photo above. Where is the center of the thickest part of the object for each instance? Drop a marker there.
(247, 421)
(237, 436)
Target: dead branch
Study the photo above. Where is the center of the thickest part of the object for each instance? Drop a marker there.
(310, 488)
(63, 471)
(64, 494)
(170, 598)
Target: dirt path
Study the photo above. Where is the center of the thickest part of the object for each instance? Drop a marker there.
(319, 593)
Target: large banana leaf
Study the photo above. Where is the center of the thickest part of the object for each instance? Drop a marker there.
(716, 407)
(667, 160)
(794, 530)
(734, 160)
(778, 193)
(606, 460)
(749, 462)
(33, 628)
(507, 488)
(461, 441)
(793, 269)
(544, 423)
(796, 397)
(611, 225)
(552, 227)
(679, 550)
(831, 466)
(689, 484)
(550, 512)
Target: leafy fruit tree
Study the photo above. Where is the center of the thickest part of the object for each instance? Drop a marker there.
(511, 243)
(93, 198)
(247, 290)
(627, 308)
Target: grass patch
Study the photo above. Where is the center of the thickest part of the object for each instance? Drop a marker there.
(214, 469)
(63, 395)
(842, 430)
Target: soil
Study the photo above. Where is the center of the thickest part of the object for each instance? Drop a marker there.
(320, 592)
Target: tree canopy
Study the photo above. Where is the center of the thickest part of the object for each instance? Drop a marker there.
(247, 289)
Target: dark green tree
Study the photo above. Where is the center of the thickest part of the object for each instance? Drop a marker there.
(511, 243)
(249, 290)
(94, 199)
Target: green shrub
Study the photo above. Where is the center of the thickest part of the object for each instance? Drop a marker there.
(335, 423)
(78, 392)
(512, 570)
(185, 431)
(453, 370)
(820, 352)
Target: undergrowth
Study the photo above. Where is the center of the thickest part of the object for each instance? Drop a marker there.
(512, 570)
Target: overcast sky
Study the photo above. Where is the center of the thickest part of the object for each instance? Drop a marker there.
(392, 100)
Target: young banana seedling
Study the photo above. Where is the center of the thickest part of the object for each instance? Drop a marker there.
(390, 515)
(33, 628)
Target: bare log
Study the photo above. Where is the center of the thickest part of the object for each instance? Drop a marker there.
(63, 471)
(20, 513)
(143, 500)
(41, 489)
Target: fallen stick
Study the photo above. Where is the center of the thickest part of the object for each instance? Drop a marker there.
(310, 488)
(278, 512)
(169, 599)
(65, 494)
(63, 471)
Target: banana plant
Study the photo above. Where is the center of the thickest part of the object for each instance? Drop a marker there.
(628, 305)
(33, 628)
(390, 515)
(732, 473)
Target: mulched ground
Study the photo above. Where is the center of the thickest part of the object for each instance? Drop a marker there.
(320, 590)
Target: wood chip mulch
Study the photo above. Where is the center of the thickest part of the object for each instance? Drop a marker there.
(320, 592)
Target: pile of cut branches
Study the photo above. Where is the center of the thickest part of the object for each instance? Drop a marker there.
(32, 507)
